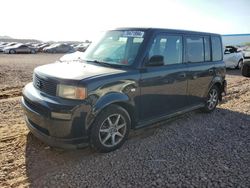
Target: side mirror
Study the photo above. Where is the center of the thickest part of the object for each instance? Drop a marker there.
(156, 60)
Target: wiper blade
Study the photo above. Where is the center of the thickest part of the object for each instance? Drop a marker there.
(100, 62)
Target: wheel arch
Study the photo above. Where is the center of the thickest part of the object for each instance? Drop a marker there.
(115, 98)
(217, 81)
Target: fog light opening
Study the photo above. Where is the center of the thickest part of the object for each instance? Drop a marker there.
(64, 116)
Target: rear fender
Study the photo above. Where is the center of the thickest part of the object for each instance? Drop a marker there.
(219, 81)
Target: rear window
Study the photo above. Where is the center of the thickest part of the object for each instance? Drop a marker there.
(216, 48)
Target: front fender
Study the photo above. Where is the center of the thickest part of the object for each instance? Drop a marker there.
(108, 99)
(104, 101)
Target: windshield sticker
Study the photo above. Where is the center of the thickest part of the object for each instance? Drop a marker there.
(137, 34)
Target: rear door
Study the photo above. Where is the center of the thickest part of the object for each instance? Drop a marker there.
(164, 88)
(201, 69)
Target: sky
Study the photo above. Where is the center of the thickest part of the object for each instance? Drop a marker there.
(85, 19)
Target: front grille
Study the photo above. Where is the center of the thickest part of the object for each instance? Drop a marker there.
(44, 85)
(37, 108)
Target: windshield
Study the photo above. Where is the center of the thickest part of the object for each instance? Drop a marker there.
(116, 47)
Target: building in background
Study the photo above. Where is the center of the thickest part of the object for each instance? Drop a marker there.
(236, 39)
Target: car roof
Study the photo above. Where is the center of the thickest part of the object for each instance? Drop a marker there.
(165, 30)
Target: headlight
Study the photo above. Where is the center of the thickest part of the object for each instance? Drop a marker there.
(71, 92)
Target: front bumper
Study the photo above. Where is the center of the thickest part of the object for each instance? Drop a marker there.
(63, 133)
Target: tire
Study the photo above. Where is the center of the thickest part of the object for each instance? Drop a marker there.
(211, 99)
(32, 51)
(239, 65)
(12, 51)
(110, 129)
(245, 70)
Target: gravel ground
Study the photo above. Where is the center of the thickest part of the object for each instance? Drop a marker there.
(192, 150)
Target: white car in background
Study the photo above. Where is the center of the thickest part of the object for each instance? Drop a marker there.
(233, 57)
(246, 53)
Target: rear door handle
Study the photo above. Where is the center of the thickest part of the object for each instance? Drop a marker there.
(211, 71)
(182, 75)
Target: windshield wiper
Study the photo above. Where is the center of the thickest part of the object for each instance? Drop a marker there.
(104, 63)
(97, 61)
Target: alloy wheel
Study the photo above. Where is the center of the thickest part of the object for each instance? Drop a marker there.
(212, 99)
(112, 130)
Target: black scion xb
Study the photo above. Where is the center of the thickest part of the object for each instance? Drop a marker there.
(131, 78)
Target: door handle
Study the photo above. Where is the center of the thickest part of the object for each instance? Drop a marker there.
(211, 71)
(182, 75)
(195, 76)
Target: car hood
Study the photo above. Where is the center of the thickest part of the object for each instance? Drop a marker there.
(77, 70)
(9, 47)
(73, 56)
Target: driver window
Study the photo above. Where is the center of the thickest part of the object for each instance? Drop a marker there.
(168, 46)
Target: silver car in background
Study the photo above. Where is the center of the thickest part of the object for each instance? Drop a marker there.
(233, 57)
(59, 48)
(19, 48)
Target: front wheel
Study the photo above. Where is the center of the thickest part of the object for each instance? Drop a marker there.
(110, 129)
(212, 99)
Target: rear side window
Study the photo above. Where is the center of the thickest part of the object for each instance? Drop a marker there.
(168, 46)
(216, 48)
(194, 49)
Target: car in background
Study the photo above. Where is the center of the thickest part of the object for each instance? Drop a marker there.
(41, 46)
(233, 57)
(6, 44)
(246, 53)
(59, 48)
(82, 47)
(19, 48)
(245, 70)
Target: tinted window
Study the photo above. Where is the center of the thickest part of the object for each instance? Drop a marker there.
(207, 49)
(216, 48)
(194, 49)
(170, 47)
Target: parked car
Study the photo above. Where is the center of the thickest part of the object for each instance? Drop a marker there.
(40, 47)
(6, 44)
(131, 78)
(19, 48)
(59, 48)
(233, 57)
(246, 53)
(82, 47)
(245, 70)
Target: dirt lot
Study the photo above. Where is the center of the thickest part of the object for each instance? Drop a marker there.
(196, 149)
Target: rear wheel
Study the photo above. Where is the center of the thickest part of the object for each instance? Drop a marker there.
(110, 129)
(32, 51)
(12, 51)
(240, 64)
(212, 99)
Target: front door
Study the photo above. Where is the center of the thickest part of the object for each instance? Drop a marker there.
(164, 88)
